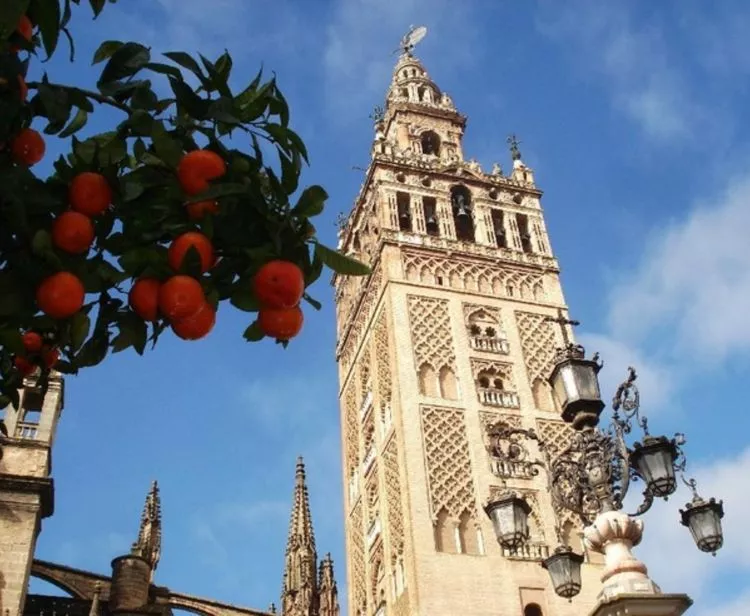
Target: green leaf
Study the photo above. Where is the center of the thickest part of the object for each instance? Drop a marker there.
(310, 202)
(94, 350)
(217, 80)
(164, 69)
(125, 62)
(185, 61)
(79, 330)
(219, 190)
(189, 100)
(339, 263)
(253, 333)
(11, 340)
(97, 6)
(76, 124)
(244, 299)
(133, 332)
(167, 148)
(47, 17)
(105, 50)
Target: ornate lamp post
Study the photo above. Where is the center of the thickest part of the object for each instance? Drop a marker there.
(591, 478)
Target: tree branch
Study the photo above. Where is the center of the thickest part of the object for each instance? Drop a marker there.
(99, 98)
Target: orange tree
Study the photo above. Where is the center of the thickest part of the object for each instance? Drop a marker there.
(150, 225)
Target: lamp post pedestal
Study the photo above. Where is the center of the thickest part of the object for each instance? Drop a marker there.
(643, 605)
(614, 533)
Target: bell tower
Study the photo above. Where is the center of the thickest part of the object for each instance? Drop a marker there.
(26, 489)
(450, 335)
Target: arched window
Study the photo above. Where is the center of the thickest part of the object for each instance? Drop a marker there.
(462, 213)
(430, 143)
(532, 609)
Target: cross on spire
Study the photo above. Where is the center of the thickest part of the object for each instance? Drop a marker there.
(562, 321)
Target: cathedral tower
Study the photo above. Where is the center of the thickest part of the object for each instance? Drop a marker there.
(26, 489)
(450, 335)
(307, 590)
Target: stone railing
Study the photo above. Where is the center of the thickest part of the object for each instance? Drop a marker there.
(490, 344)
(373, 532)
(26, 429)
(512, 470)
(528, 551)
(496, 397)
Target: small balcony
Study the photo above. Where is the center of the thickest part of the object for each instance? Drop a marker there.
(353, 487)
(489, 344)
(533, 551)
(497, 397)
(27, 430)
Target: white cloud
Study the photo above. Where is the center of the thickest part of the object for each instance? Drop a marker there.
(674, 562)
(693, 277)
(632, 59)
(363, 33)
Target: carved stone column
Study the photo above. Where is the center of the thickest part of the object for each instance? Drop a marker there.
(627, 589)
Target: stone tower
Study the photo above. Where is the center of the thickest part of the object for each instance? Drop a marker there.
(26, 488)
(306, 590)
(448, 336)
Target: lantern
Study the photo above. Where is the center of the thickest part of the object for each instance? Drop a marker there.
(653, 460)
(510, 520)
(564, 568)
(575, 384)
(703, 518)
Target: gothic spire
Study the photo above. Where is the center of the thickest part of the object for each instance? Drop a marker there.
(299, 596)
(329, 600)
(148, 544)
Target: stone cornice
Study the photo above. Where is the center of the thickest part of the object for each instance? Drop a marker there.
(43, 486)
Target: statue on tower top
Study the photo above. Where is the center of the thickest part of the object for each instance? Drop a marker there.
(411, 38)
(515, 152)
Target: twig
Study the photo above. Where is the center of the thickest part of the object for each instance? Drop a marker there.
(99, 98)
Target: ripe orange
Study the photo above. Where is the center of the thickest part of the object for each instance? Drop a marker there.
(280, 323)
(181, 297)
(89, 193)
(180, 246)
(196, 168)
(197, 326)
(32, 342)
(279, 284)
(144, 298)
(198, 210)
(61, 295)
(25, 28)
(27, 147)
(51, 357)
(73, 232)
(24, 366)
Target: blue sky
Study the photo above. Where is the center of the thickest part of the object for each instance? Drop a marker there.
(634, 117)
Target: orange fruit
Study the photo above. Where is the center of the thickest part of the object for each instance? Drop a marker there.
(89, 193)
(196, 168)
(197, 326)
(181, 297)
(51, 357)
(25, 28)
(280, 323)
(180, 246)
(73, 232)
(27, 147)
(24, 366)
(144, 298)
(32, 342)
(279, 284)
(61, 295)
(198, 210)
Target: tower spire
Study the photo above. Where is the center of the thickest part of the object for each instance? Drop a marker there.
(329, 599)
(299, 596)
(148, 544)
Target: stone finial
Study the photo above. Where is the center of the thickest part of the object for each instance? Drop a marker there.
(329, 602)
(148, 544)
(95, 609)
(614, 533)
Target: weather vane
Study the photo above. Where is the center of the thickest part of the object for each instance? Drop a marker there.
(411, 38)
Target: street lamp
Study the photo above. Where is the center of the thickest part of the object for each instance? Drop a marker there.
(591, 476)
